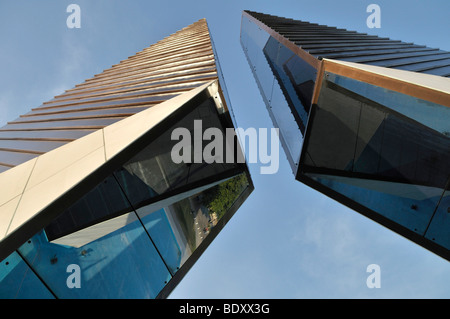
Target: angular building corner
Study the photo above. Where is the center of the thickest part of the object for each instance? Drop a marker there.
(363, 119)
(88, 178)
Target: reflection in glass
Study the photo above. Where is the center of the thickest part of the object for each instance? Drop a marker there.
(286, 84)
(148, 177)
(122, 264)
(152, 174)
(430, 114)
(438, 228)
(377, 157)
(144, 220)
(179, 228)
(103, 202)
(295, 77)
(29, 285)
(149, 251)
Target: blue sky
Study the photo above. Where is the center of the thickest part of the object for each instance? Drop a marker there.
(287, 240)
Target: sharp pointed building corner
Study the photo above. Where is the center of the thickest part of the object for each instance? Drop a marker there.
(363, 119)
(87, 178)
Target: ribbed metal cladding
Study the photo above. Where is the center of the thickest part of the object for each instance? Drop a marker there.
(333, 43)
(176, 64)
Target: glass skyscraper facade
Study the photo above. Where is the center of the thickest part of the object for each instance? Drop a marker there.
(363, 119)
(88, 180)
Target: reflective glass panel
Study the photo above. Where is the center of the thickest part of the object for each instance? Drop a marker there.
(437, 230)
(375, 155)
(295, 77)
(18, 281)
(286, 84)
(187, 219)
(152, 174)
(122, 264)
(103, 202)
(429, 114)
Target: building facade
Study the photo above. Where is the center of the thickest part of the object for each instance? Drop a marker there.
(363, 119)
(93, 204)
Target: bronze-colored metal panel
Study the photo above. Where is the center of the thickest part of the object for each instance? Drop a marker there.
(180, 62)
(408, 88)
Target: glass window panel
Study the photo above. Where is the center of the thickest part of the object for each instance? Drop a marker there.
(369, 143)
(332, 140)
(407, 150)
(122, 264)
(290, 133)
(254, 39)
(284, 81)
(175, 232)
(144, 178)
(219, 199)
(18, 281)
(430, 114)
(295, 77)
(179, 228)
(377, 157)
(166, 236)
(152, 172)
(243, 36)
(440, 224)
(409, 205)
(103, 202)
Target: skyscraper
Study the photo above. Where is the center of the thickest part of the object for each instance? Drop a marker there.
(92, 203)
(363, 119)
